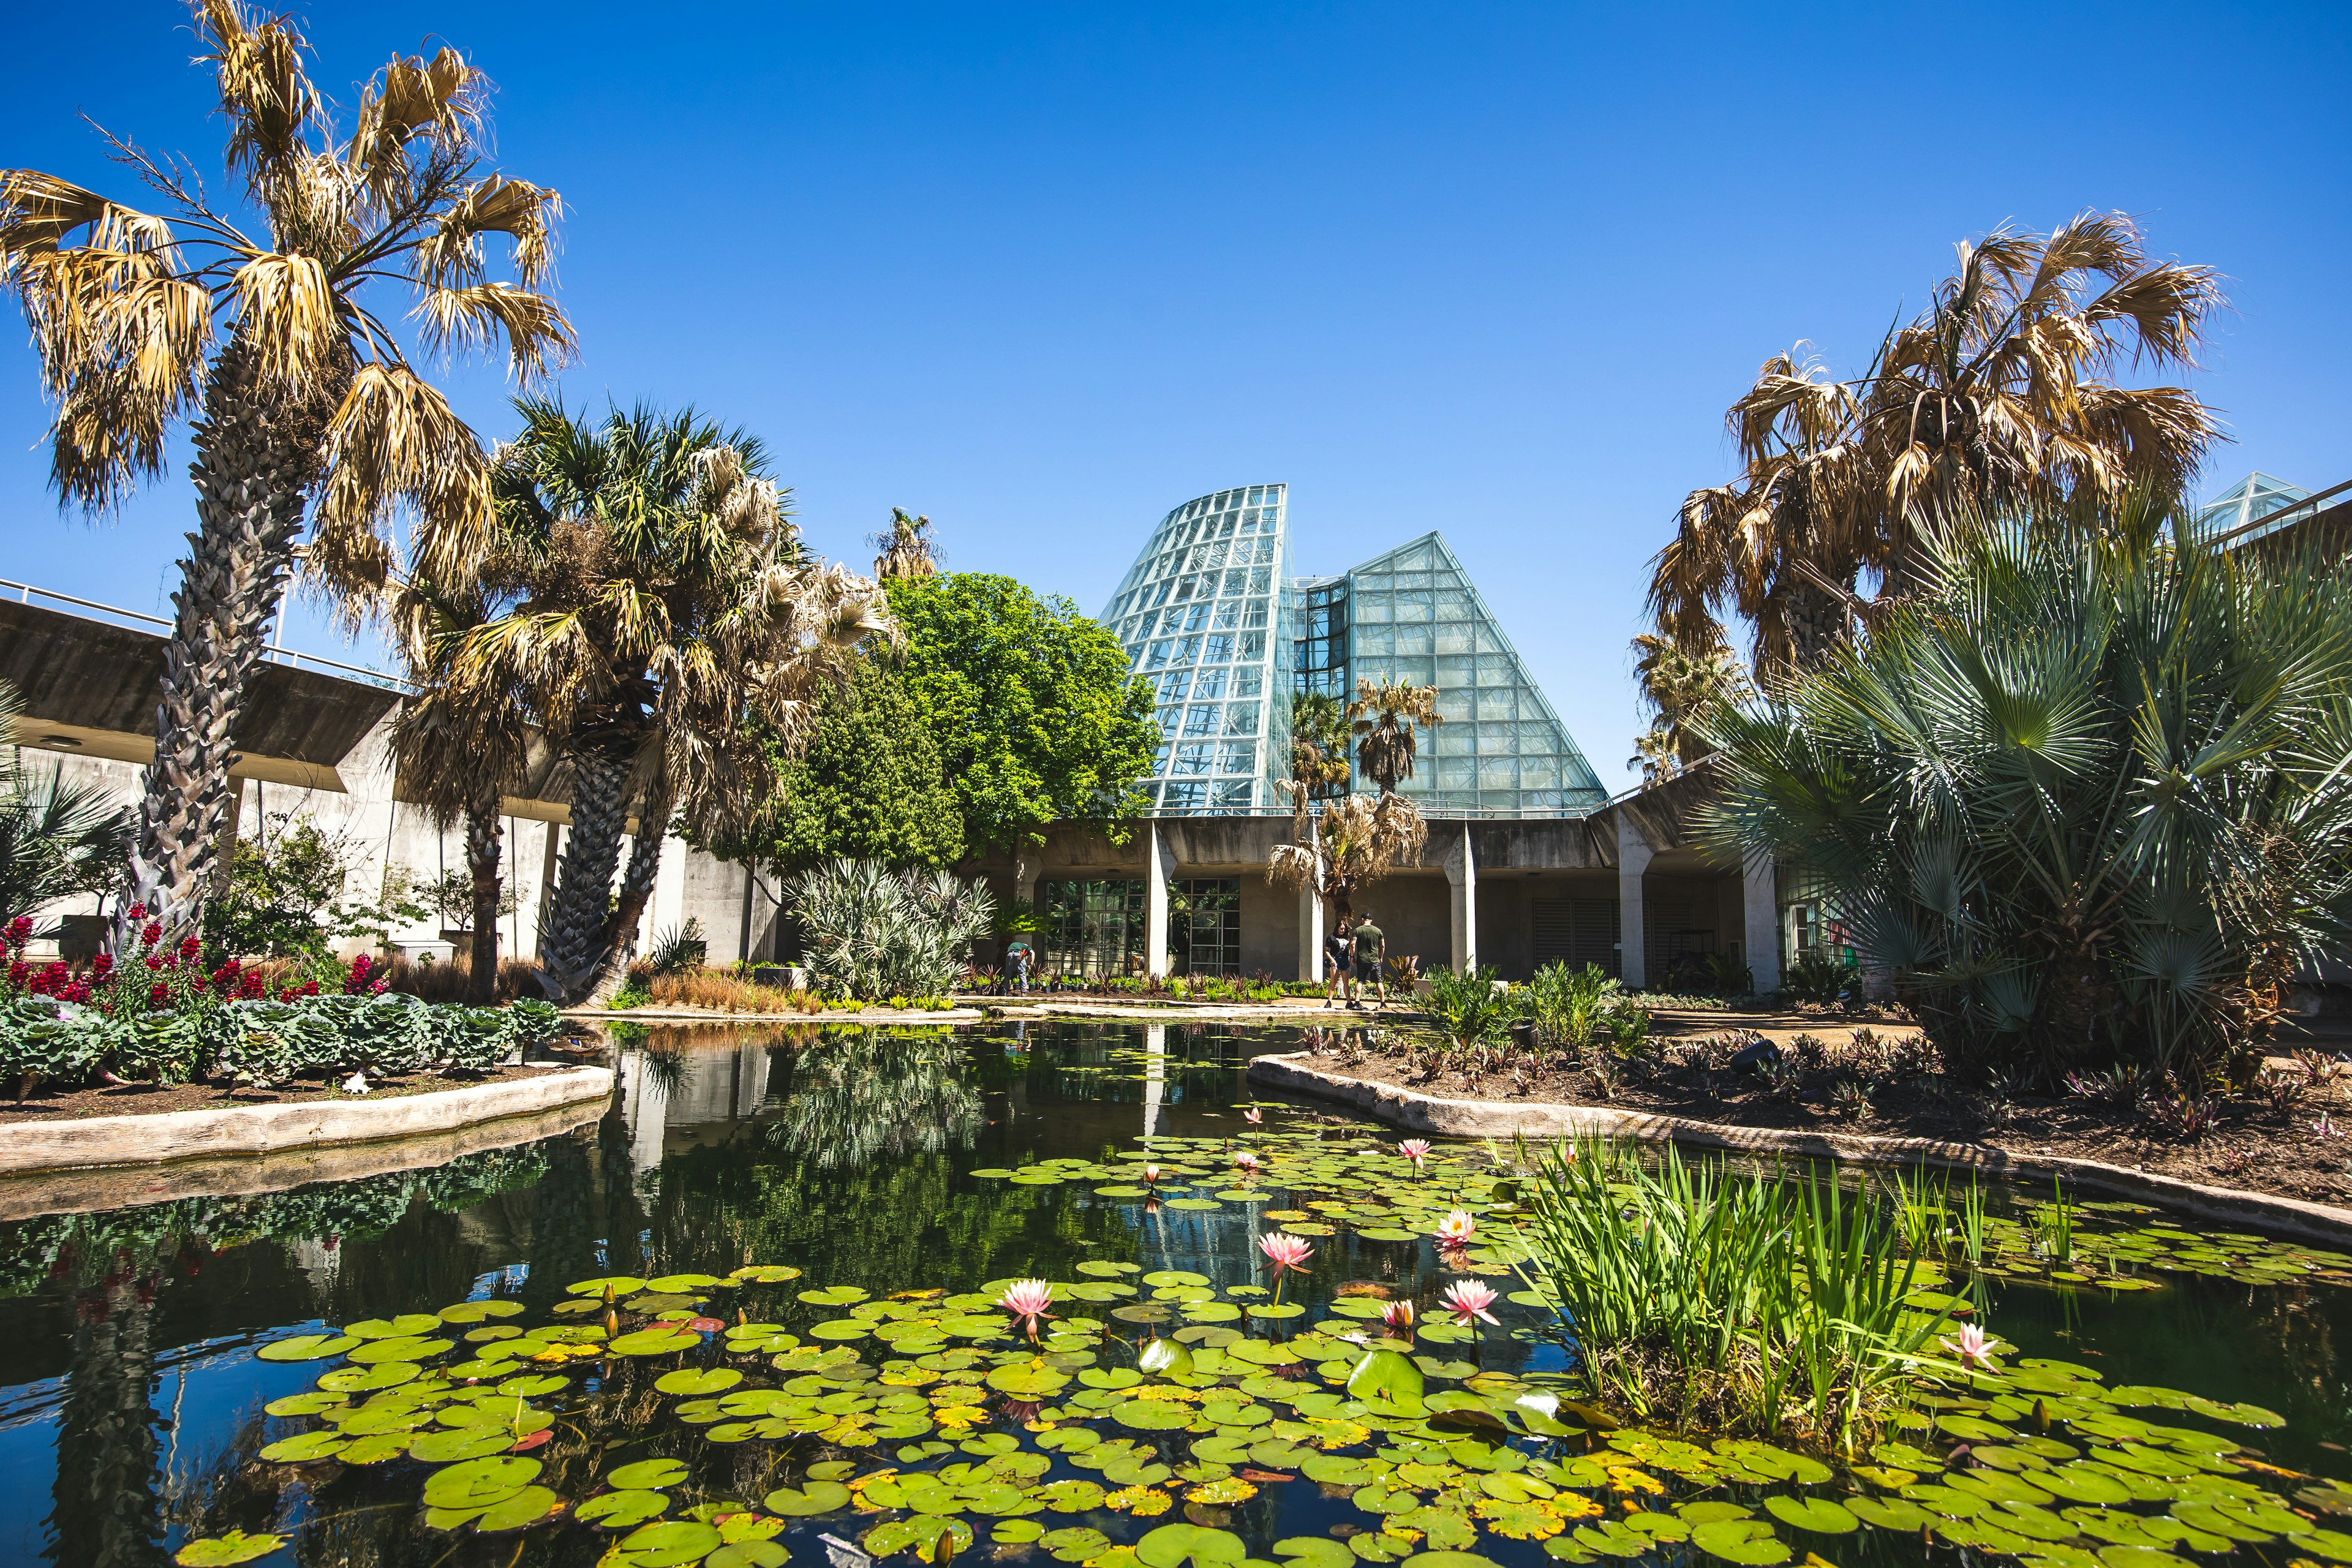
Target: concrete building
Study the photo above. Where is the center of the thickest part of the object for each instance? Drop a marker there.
(1616, 883)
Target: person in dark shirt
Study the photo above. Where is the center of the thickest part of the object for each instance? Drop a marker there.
(1371, 946)
(1335, 964)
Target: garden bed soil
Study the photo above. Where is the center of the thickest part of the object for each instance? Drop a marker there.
(2253, 1147)
(148, 1099)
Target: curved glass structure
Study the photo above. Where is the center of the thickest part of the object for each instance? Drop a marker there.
(1199, 615)
(1207, 615)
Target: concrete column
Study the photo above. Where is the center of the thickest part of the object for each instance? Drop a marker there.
(645, 1107)
(1310, 913)
(1633, 854)
(666, 911)
(1760, 904)
(1462, 879)
(1155, 1076)
(1155, 904)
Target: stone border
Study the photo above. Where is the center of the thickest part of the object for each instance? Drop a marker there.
(95, 1141)
(132, 1186)
(1414, 1113)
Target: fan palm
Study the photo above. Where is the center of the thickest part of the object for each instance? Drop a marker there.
(2002, 393)
(908, 547)
(1384, 716)
(259, 325)
(461, 747)
(58, 838)
(1354, 842)
(663, 617)
(2089, 793)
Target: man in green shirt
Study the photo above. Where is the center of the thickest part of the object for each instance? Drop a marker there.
(1372, 954)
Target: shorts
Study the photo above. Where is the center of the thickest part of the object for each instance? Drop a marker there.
(1339, 968)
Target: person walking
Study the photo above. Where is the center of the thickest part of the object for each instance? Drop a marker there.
(1371, 946)
(1335, 963)
(1017, 956)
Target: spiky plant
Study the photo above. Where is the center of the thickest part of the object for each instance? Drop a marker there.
(663, 617)
(58, 837)
(1384, 716)
(873, 932)
(2089, 798)
(256, 319)
(2004, 392)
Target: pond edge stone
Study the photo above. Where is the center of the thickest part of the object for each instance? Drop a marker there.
(1417, 1112)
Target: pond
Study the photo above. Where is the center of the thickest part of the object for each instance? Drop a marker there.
(749, 1318)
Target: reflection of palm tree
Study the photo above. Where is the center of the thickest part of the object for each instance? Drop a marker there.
(108, 1513)
(871, 1093)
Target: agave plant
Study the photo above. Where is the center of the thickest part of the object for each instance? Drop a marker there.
(58, 837)
(873, 932)
(2090, 798)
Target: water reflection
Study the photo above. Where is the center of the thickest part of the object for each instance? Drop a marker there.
(130, 1397)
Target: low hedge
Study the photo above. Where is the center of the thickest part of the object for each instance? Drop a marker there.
(262, 1042)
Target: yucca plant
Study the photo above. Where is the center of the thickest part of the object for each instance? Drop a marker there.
(2089, 799)
(264, 321)
(872, 931)
(58, 837)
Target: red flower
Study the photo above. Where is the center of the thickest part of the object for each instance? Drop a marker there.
(158, 994)
(19, 932)
(101, 966)
(18, 972)
(153, 933)
(154, 964)
(189, 946)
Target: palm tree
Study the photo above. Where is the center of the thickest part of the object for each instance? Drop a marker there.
(1357, 840)
(2002, 393)
(663, 613)
(908, 547)
(2086, 795)
(303, 407)
(56, 838)
(1319, 749)
(461, 747)
(1384, 717)
(1680, 688)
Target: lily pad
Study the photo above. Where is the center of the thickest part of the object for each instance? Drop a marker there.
(803, 1503)
(220, 1550)
(671, 1544)
(1174, 1545)
(689, 1380)
(306, 1347)
(622, 1509)
(1747, 1541)
(648, 1473)
(1817, 1515)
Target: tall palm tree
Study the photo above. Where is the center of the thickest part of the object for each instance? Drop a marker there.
(663, 612)
(1384, 717)
(253, 321)
(1680, 688)
(1357, 840)
(908, 547)
(1319, 749)
(2000, 393)
(461, 747)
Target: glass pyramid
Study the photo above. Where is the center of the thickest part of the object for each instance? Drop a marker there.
(1412, 616)
(2249, 500)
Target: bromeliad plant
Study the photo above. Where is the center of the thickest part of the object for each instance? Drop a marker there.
(1774, 1305)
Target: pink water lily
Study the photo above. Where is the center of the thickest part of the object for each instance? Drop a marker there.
(1254, 1116)
(1286, 1252)
(1468, 1298)
(1415, 1150)
(1245, 1162)
(1151, 1176)
(1027, 1299)
(1970, 1344)
(1456, 1229)
(1397, 1318)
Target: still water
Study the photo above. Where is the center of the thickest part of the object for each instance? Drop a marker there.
(132, 1395)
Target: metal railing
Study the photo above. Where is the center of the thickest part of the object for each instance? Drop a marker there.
(2271, 522)
(26, 592)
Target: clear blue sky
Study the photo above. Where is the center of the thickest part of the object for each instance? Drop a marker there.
(1043, 271)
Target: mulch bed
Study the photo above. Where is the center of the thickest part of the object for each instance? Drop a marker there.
(2251, 1146)
(148, 1099)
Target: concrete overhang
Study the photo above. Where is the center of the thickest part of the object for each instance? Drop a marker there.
(115, 745)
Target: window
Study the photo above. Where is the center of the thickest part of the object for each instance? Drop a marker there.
(1195, 758)
(1200, 720)
(1205, 925)
(1221, 646)
(1239, 757)
(1188, 651)
(1093, 929)
(1211, 682)
(1185, 795)
(1229, 612)
(1241, 719)
(1171, 685)
(1248, 681)
(1232, 795)
(1159, 655)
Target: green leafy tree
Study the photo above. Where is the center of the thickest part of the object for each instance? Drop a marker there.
(870, 784)
(1036, 716)
(290, 894)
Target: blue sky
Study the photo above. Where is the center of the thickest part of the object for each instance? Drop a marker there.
(1044, 271)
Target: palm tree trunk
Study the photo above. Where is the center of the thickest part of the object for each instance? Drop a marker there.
(255, 461)
(636, 891)
(572, 948)
(484, 833)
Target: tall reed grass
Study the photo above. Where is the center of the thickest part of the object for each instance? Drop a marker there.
(1777, 1304)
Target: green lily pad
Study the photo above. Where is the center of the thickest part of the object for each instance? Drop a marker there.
(479, 1481)
(376, 1450)
(654, 1342)
(921, 1533)
(306, 1347)
(802, 1502)
(1747, 1541)
(220, 1550)
(689, 1379)
(476, 1312)
(304, 1405)
(463, 1443)
(367, 1379)
(305, 1448)
(671, 1544)
(623, 1509)
(749, 1554)
(1889, 1514)
(405, 1348)
(408, 1325)
(834, 1296)
(648, 1473)
(1817, 1515)
(1174, 1545)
